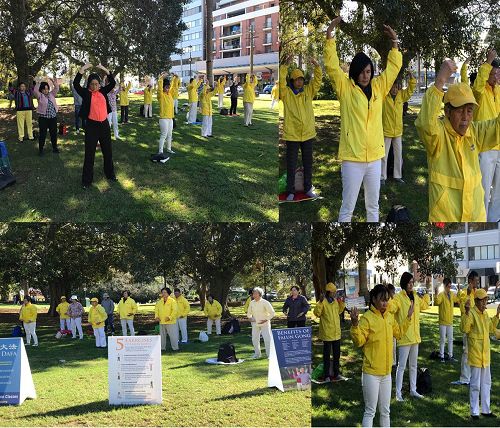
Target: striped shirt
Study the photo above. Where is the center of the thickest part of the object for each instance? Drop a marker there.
(50, 113)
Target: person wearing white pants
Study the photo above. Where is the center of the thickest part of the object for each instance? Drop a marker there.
(166, 313)
(408, 343)
(76, 327)
(166, 120)
(206, 109)
(28, 315)
(166, 130)
(75, 312)
(248, 109)
(210, 323)
(445, 301)
(249, 97)
(353, 175)
(183, 308)
(127, 308)
(221, 84)
(193, 98)
(175, 83)
(30, 330)
(397, 147)
(127, 323)
(213, 311)
(113, 115)
(260, 312)
(490, 169)
(148, 101)
(61, 309)
(148, 110)
(65, 324)
(206, 126)
(97, 318)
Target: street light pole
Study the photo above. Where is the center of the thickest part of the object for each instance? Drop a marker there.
(190, 59)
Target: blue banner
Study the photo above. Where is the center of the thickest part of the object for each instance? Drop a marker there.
(10, 370)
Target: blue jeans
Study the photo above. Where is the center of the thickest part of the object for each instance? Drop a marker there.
(78, 120)
(109, 324)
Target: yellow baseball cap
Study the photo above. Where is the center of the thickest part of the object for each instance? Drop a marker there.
(459, 94)
(94, 299)
(480, 294)
(297, 73)
(63, 297)
(331, 287)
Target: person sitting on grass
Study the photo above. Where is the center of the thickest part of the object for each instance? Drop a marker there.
(166, 314)
(221, 85)
(453, 145)
(249, 97)
(477, 325)
(28, 316)
(95, 110)
(445, 300)
(328, 310)
(127, 308)
(299, 128)
(97, 318)
(47, 112)
(124, 101)
(213, 311)
(23, 98)
(166, 114)
(260, 312)
(206, 95)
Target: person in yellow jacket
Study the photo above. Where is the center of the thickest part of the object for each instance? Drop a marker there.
(453, 144)
(166, 312)
(466, 295)
(175, 83)
(192, 89)
(207, 92)
(27, 315)
(124, 102)
(127, 308)
(477, 325)
(166, 114)
(64, 319)
(299, 127)
(328, 310)
(392, 307)
(445, 300)
(249, 98)
(260, 312)
(375, 332)
(392, 122)
(275, 94)
(408, 343)
(213, 311)
(361, 133)
(486, 89)
(183, 308)
(249, 299)
(148, 100)
(97, 318)
(221, 86)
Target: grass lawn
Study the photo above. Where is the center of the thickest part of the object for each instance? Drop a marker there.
(228, 178)
(342, 404)
(327, 177)
(194, 394)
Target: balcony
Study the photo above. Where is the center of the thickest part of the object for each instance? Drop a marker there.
(228, 46)
(233, 31)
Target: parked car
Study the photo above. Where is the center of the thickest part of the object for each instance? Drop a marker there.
(421, 290)
(267, 89)
(493, 293)
(270, 296)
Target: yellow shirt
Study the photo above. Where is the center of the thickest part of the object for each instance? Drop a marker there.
(61, 309)
(487, 97)
(221, 84)
(412, 335)
(124, 95)
(374, 334)
(478, 327)
(464, 78)
(193, 91)
(275, 92)
(97, 316)
(166, 102)
(148, 95)
(455, 190)
(166, 309)
(206, 100)
(463, 297)
(249, 89)
(392, 111)
(329, 319)
(445, 304)
(361, 132)
(127, 307)
(298, 112)
(174, 87)
(28, 313)
(183, 306)
(247, 303)
(213, 310)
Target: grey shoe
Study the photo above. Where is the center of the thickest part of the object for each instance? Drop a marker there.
(399, 180)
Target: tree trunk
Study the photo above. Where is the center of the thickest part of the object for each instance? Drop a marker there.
(319, 272)
(202, 294)
(57, 288)
(219, 288)
(301, 282)
(17, 39)
(363, 275)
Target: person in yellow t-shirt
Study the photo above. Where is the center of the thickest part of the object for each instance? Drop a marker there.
(64, 319)
(148, 100)
(192, 89)
(213, 311)
(166, 314)
(166, 113)
(97, 318)
(27, 315)
(275, 94)
(124, 102)
(249, 98)
(207, 92)
(221, 86)
(445, 300)
(183, 309)
(127, 308)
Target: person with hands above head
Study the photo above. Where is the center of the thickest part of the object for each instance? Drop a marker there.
(166, 313)
(249, 98)
(127, 308)
(148, 100)
(233, 91)
(47, 111)
(299, 128)
(213, 311)
(113, 115)
(410, 340)
(207, 92)
(392, 121)
(221, 85)
(260, 312)
(478, 326)
(453, 145)
(95, 109)
(192, 89)
(124, 101)
(374, 333)
(486, 89)
(328, 309)
(167, 112)
(361, 97)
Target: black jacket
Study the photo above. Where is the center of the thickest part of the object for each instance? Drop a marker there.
(234, 90)
(294, 307)
(86, 97)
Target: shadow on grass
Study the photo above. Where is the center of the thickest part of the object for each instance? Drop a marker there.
(255, 392)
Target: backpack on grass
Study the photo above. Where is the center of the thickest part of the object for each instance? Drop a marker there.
(17, 331)
(424, 381)
(398, 214)
(227, 353)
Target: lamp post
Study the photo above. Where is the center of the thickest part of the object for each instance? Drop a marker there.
(190, 59)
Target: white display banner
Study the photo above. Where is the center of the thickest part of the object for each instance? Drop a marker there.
(134, 370)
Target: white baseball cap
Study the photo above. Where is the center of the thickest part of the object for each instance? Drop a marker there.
(74, 297)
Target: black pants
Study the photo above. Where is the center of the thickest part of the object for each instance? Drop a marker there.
(50, 124)
(292, 154)
(108, 324)
(123, 114)
(331, 348)
(293, 324)
(234, 104)
(97, 132)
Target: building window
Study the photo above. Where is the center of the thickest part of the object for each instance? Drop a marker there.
(268, 38)
(484, 252)
(236, 13)
(479, 227)
(268, 49)
(192, 11)
(268, 22)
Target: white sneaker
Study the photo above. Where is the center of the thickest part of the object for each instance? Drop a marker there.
(399, 398)
(415, 394)
(26, 344)
(311, 193)
(256, 357)
(170, 151)
(35, 344)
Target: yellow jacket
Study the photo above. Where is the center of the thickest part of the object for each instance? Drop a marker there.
(61, 309)
(183, 306)
(97, 316)
(487, 97)
(193, 90)
(446, 307)
(455, 190)
(464, 78)
(206, 100)
(392, 111)
(412, 335)
(478, 326)
(166, 101)
(329, 319)
(166, 309)
(214, 310)
(463, 297)
(275, 92)
(249, 89)
(247, 304)
(126, 308)
(221, 84)
(361, 133)
(374, 333)
(298, 113)
(392, 306)
(28, 313)
(174, 87)
(148, 95)
(124, 95)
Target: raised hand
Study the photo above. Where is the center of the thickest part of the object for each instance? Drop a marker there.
(467, 306)
(334, 24)
(101, 67)
(389, 32)
(448, 67)
(314, 62)
(85, 67)
(354, 316)
(492, 54)
(498, 310)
